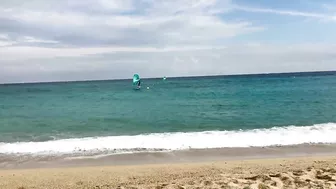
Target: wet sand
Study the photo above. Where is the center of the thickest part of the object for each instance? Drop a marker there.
(184, 156)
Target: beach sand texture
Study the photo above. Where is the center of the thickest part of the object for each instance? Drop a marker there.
(301, 172)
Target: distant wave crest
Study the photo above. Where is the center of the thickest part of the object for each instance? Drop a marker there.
(290, 135)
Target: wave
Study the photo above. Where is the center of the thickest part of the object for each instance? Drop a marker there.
(289, 135)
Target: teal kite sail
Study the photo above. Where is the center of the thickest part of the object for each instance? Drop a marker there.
(136, 80)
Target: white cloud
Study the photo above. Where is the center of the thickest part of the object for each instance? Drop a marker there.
(284, 12)
(4, 36)
(65, 5)
(99, 39)
(153, 23)
(320, 16)
(5, 43)
(257, 58)
(29, 39)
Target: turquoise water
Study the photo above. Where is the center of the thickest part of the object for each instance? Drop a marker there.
(55, 111)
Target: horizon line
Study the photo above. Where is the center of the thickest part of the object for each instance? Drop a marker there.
(174, 77)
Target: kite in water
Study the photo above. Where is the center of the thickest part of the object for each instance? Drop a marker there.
(137, 81)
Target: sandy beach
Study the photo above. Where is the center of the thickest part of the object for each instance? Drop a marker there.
(291, 172)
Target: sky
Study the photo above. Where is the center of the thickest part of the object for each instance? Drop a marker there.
(64, 40)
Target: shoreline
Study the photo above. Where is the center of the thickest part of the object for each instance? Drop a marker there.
(283, 172)
(171, 157)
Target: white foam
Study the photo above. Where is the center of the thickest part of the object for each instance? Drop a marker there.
(290, 135)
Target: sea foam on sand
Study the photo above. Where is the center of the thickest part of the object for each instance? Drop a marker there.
(290, 135)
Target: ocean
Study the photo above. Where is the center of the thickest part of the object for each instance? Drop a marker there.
(110, 117)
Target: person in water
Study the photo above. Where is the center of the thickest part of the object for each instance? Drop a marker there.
(139, 83)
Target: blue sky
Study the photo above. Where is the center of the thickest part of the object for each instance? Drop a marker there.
(106, 39)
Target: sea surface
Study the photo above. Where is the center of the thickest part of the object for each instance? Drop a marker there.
(175, 114)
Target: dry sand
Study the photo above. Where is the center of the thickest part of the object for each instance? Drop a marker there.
(301, 172)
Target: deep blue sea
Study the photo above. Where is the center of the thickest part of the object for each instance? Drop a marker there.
(172, 114)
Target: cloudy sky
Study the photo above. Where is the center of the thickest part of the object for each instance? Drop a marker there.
(50, 40)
